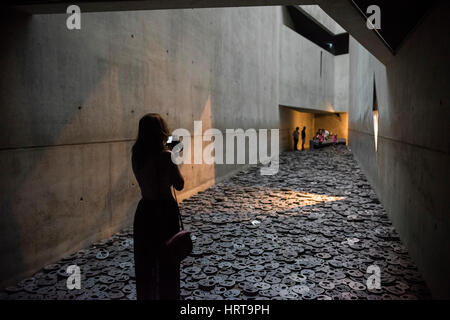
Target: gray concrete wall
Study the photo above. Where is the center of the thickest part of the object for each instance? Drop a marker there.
(410, 170)
(323, 18)
(71, 102)
(341, 82)
(302, 83)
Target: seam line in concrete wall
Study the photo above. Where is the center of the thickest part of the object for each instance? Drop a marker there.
(401, 142)
(66, 144)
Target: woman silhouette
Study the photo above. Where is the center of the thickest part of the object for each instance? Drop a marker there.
(156, 218)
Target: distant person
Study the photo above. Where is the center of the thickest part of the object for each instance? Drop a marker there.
(326, 134)
(156, 219)
(303, 138)
(295, 134)
(335, 139)
(316, 137)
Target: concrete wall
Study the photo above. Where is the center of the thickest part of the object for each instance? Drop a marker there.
(71, 102)
(341, 82)
(306, 82)
(302, 82)
(323, 18)
(410, 170)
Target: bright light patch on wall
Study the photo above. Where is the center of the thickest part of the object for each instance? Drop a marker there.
(375, 128)
(375, 114)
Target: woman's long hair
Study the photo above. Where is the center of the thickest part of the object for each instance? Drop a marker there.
(151, 139)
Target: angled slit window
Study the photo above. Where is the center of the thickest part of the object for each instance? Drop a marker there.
(320, 64)
(375, 114)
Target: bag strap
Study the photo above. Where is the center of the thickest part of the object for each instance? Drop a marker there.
(179, 211)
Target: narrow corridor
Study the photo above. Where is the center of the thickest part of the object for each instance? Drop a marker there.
(310, 232)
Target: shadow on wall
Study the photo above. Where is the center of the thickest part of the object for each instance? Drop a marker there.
(71, 106)
(66, 181)
(412, 163)
(43, 208)
(409, 168)
(9, 224)
(63, 187)
(71, 103)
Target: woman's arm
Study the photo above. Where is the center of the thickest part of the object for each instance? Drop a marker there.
(176, 179)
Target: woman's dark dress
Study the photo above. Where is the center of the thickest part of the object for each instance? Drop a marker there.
(155, 222)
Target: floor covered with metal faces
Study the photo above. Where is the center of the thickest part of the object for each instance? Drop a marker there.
(309, 232)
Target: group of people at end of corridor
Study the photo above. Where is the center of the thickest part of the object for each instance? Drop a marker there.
(322, 135)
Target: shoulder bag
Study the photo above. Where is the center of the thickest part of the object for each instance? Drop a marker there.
(180, 245)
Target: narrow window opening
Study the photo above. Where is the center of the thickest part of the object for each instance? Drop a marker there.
(375, 114)
(321, 64)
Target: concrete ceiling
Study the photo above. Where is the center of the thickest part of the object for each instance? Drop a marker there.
(398, 18)
(60, 6)
(349, 14)
(309, 110)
